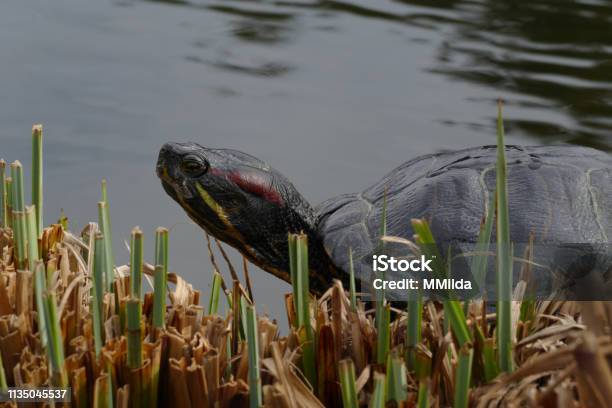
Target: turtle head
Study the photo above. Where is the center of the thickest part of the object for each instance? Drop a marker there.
(238, 199)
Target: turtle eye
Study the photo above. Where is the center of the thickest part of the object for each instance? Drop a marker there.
(194, 166)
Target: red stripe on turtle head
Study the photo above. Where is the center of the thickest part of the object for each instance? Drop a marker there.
(252, 182)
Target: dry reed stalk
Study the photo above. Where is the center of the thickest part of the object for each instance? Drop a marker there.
(23, 295)
(562, 355)
(5, 306)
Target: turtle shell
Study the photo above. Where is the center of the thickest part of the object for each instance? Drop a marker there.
(561, 194)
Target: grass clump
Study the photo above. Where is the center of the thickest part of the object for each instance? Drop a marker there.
(70, 317)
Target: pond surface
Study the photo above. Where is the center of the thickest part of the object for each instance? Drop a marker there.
(332, 93)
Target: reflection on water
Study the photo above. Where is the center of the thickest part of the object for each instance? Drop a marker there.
(549, 57)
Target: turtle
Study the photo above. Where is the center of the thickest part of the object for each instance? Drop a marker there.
(559, 196)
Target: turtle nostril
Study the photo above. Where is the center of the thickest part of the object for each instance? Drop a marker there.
(163, 158)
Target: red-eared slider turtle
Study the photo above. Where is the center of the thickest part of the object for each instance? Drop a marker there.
(560, 194)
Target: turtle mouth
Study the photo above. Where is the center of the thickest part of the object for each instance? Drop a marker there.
(160, 169)
(168, 182)
(170, 190)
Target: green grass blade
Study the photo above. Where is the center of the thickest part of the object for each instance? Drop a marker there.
(423, 395)
(378, 396)
(397, 384)
(413, 327)
(383, 334)
(490, 362)
(381, 320)
(295, 281)
(243, 302)
(136, 261)
(97, 291)
(238, 317)
(463, 377)
(159, 297)
(37, 176)
(479, 261)
(213, 305)
(105, 226)
(3, 209)
(54, 335)
(504, 255)
(40, 286)
(255, 394)
(300, 272)
(32, 236)
(527, 313)
(348, 384)
(452, 308)
(423, 372)
(134, 349)
(161, 277)
(452, 311)
(108, 269)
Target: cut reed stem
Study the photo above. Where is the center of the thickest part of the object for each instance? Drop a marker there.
(8, 189)
(101, 398)
(463, 377)
(397, 384)
(161, 277)
(378, 396)
(255, 393)
(32, 237)
(348, 384)
(37, 176)
(136, 261)
(134, 349)
(18, 214)
(18, 203)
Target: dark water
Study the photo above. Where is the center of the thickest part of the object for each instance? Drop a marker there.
(333, 94)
